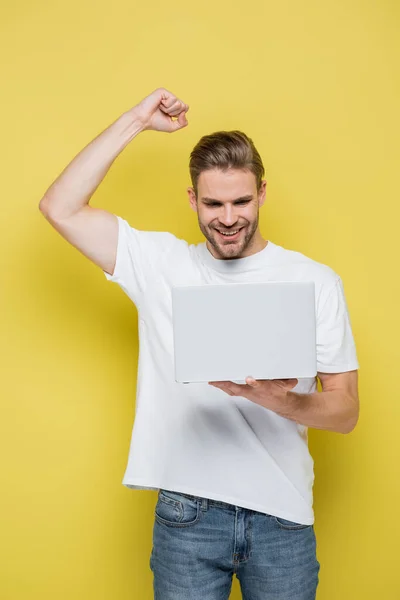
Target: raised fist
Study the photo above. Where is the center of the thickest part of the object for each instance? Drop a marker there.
(155, 112)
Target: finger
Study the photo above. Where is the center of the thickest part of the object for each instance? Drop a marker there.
(182, 120)
(293, 382)
(221, 386)
(174, 109)
(287, 383)
(179, 123)
(233, 389)
(167, 100)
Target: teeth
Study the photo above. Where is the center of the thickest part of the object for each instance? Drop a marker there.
(231, 233)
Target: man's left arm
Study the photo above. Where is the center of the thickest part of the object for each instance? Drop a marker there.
(335, 408)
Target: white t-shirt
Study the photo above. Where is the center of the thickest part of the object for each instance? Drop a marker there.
(195, 438)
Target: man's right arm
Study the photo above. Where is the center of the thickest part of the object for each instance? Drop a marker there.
(65, 204)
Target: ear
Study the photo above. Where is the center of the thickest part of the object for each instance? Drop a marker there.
(262, 192)
(192, 198)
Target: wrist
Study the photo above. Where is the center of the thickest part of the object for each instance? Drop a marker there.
(129, 125)
(292, 401)
(123, 130)
(135, 120)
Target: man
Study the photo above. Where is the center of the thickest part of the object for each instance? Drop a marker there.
(230, 463)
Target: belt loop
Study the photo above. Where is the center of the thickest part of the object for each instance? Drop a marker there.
(204, 504)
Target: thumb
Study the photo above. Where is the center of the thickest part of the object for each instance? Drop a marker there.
(252, 382)
(292, 382)
(180, 122)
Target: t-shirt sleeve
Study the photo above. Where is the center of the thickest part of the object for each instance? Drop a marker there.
(336, 351)
(140, 259)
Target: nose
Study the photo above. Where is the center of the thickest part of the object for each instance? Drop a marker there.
(228, 217)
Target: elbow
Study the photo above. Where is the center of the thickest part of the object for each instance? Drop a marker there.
(44, 208)
(348, 428)
(350, 424)
(43, 205)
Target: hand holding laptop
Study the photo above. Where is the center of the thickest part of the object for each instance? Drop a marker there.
(269, 393)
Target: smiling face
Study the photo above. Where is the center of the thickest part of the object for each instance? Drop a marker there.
(228, 202)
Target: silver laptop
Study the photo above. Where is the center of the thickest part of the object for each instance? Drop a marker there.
(230, 331)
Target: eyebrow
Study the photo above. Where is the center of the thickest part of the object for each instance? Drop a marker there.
(209, 200)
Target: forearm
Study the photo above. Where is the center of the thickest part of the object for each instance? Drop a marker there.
(331, 410)
(74, 187)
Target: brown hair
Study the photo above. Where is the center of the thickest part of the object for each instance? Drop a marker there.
(225, 150)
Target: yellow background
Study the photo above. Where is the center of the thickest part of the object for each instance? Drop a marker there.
(316, 85)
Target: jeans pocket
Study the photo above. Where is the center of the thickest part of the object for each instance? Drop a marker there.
(290, 525)
(175, 510)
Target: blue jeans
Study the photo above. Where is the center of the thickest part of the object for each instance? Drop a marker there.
(198, 544)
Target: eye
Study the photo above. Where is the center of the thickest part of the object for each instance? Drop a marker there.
(213, 204)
